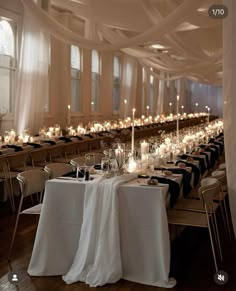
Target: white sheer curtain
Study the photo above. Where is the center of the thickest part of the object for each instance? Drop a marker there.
(229, 86)
(206, 95)
(32, 84)
(128, 83)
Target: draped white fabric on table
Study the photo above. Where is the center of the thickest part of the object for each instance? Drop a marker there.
(98, 259)
(229, 90)
(143, 227)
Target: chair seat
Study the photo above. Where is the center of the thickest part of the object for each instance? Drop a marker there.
(188, 218)
(194, 205)
(33, 210)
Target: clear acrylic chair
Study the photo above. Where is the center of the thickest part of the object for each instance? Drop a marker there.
(197, 219)
(5, 178)
(220, 175)
(58, 169)
(31, 181)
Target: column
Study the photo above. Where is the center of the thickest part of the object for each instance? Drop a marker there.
(229, 92)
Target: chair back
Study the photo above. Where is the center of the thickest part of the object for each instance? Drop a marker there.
(38, 157)
(209, 191)
(58, 169)
(220, 176)
(32, 181)
(77, 161)
(3, 165)
(17, 161)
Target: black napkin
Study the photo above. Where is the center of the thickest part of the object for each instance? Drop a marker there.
(88, 135)
(195, 170)
(174, 189)
(97, 167)
(73, 174)
(66, 139)
(201, 162)
(35, 145)
(15, 147)
(51, 142)
(186, 179)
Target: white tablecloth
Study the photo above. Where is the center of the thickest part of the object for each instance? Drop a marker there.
(144, 236)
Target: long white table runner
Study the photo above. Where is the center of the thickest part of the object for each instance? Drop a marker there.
(98, 258)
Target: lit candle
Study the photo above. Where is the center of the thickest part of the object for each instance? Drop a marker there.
(68, 115)
(177, 121)
(125, 109)
(144, 150)
(132, 137)
(208, 108)
(147, 111)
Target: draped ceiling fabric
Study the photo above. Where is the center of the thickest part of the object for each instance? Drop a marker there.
(191, 41)
(229, 92)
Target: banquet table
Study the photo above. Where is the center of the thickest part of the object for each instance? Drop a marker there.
(143, 226)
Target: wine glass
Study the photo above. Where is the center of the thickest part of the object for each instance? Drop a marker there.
(89, 161)
(105, 164)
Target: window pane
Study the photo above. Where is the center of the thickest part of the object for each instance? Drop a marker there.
(151, 93)
(75, 57)
(116, 84)
(116, 68)
(75, 95)
(116, 97)
(95, 90)
(95, 61)
(75, 79)
(95, 93)
(6, 39)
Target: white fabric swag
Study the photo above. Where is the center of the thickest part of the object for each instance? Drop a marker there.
(192, 38)
(98, 258)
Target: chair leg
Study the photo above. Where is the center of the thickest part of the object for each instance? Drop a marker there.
(212, 244)
(15, 228)
(227, 218)
(214, 232)
(217, 236)
(223, 215)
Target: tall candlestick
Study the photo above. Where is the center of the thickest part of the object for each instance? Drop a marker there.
(177, 121)
(132, 137)
(68, 115)
(125, 109)
(208, 108)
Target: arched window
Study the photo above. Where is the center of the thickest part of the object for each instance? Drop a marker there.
(7, 64)
(6, 39)
(95, 92)
(75, 79)
(116, 84)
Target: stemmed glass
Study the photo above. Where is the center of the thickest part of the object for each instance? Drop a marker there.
(89, 160)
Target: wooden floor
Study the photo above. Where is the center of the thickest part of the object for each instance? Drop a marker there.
(191, 263)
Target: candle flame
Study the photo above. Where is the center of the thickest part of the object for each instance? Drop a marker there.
(68, 106)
